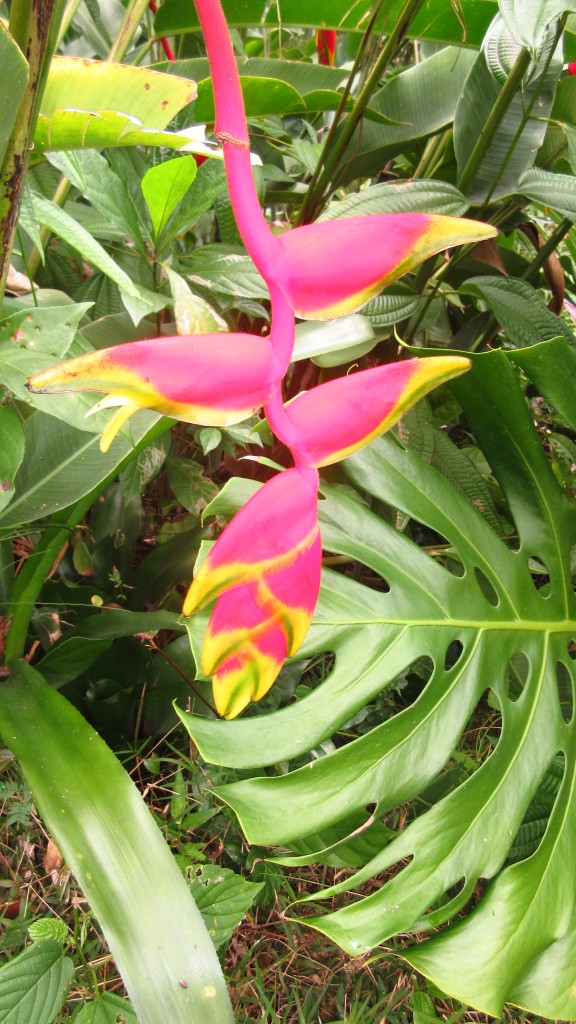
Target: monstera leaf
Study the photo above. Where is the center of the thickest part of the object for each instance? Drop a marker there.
(486, 862)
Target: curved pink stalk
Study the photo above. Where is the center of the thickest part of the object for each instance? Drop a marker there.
(232, 132)
(335, 419)
(214, 379)
(276, 526)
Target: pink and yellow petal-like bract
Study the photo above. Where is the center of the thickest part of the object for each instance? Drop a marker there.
(334, 267)
(254, 627)
(276, 526)
(213, 380)
(336, 418)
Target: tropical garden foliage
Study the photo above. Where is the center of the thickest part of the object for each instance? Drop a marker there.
(411, 764)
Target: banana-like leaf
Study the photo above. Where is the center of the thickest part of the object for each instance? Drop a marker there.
(12, 86)
(507, 156)
(112, 844)
(496, 624)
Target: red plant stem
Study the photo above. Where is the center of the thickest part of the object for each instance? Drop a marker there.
(165, 44)
(232, 132)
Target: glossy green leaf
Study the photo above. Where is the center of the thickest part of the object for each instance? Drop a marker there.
(82, 129)
(439, 22)
(426, 196)
(335, 342)
(223, 897)
(193, 490)
(529, 20)
(149, 96)
(422, 100)
(107, 1009)
(47, 329)
(226, 269)
(507, 156)
(11, 452)
(516, 943)
(555, 190)
(519, 309)
(12, 85)
(139, 301)
(263, 97)
(80, 646)
(164, 186)
(62, 464)
(34, 983)
(552, 368)
(116, 851)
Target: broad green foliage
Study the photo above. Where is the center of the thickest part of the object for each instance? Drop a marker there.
(83, 791)
(491, 634)
(34, 983)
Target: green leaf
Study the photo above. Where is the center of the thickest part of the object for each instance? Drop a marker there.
(336, 342)
(164, 186)
(80, 647)
(404, 197)
(422, 100)
(263, 97)
(516, 942)
(13, 82)
(116, 851)
(529, 20)
(552, 368)
(138, 301)
(226, 269)
(34, 983)
(82, 129)
(62, 464)
(438, 22)
(48, 329)
(507, 156)
(223, 897)
(107, 1009)
(555, 190)
(92, 175)
(11, 452)
(193, 490)
(520, 310)
(149, 96)
(193, 314)
(48, 928)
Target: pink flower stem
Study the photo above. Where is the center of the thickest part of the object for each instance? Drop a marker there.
(231, 131)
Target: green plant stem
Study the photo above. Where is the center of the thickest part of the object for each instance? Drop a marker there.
(60, 196)
(336, 145)
(33, 24)
(34, 572)
(529, 274)
(134, 14)
(486, 137)
(432, 155)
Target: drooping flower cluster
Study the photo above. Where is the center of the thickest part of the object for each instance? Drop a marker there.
(264, 570)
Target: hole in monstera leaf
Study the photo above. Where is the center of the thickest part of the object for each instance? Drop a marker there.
(534, 823)
(486, 587)
(517, 671)
(572, 649)
(481, 734)
(454, 566)
(410, 683)
(540, 575)
(447, 905)
(565, 690)
(453, 654)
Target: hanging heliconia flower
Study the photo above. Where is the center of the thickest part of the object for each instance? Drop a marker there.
(264, 570)
(326, 46)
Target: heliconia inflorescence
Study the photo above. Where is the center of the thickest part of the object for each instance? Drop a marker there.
(264, 570)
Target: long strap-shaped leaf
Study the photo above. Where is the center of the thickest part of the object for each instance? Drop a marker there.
(110, 841)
